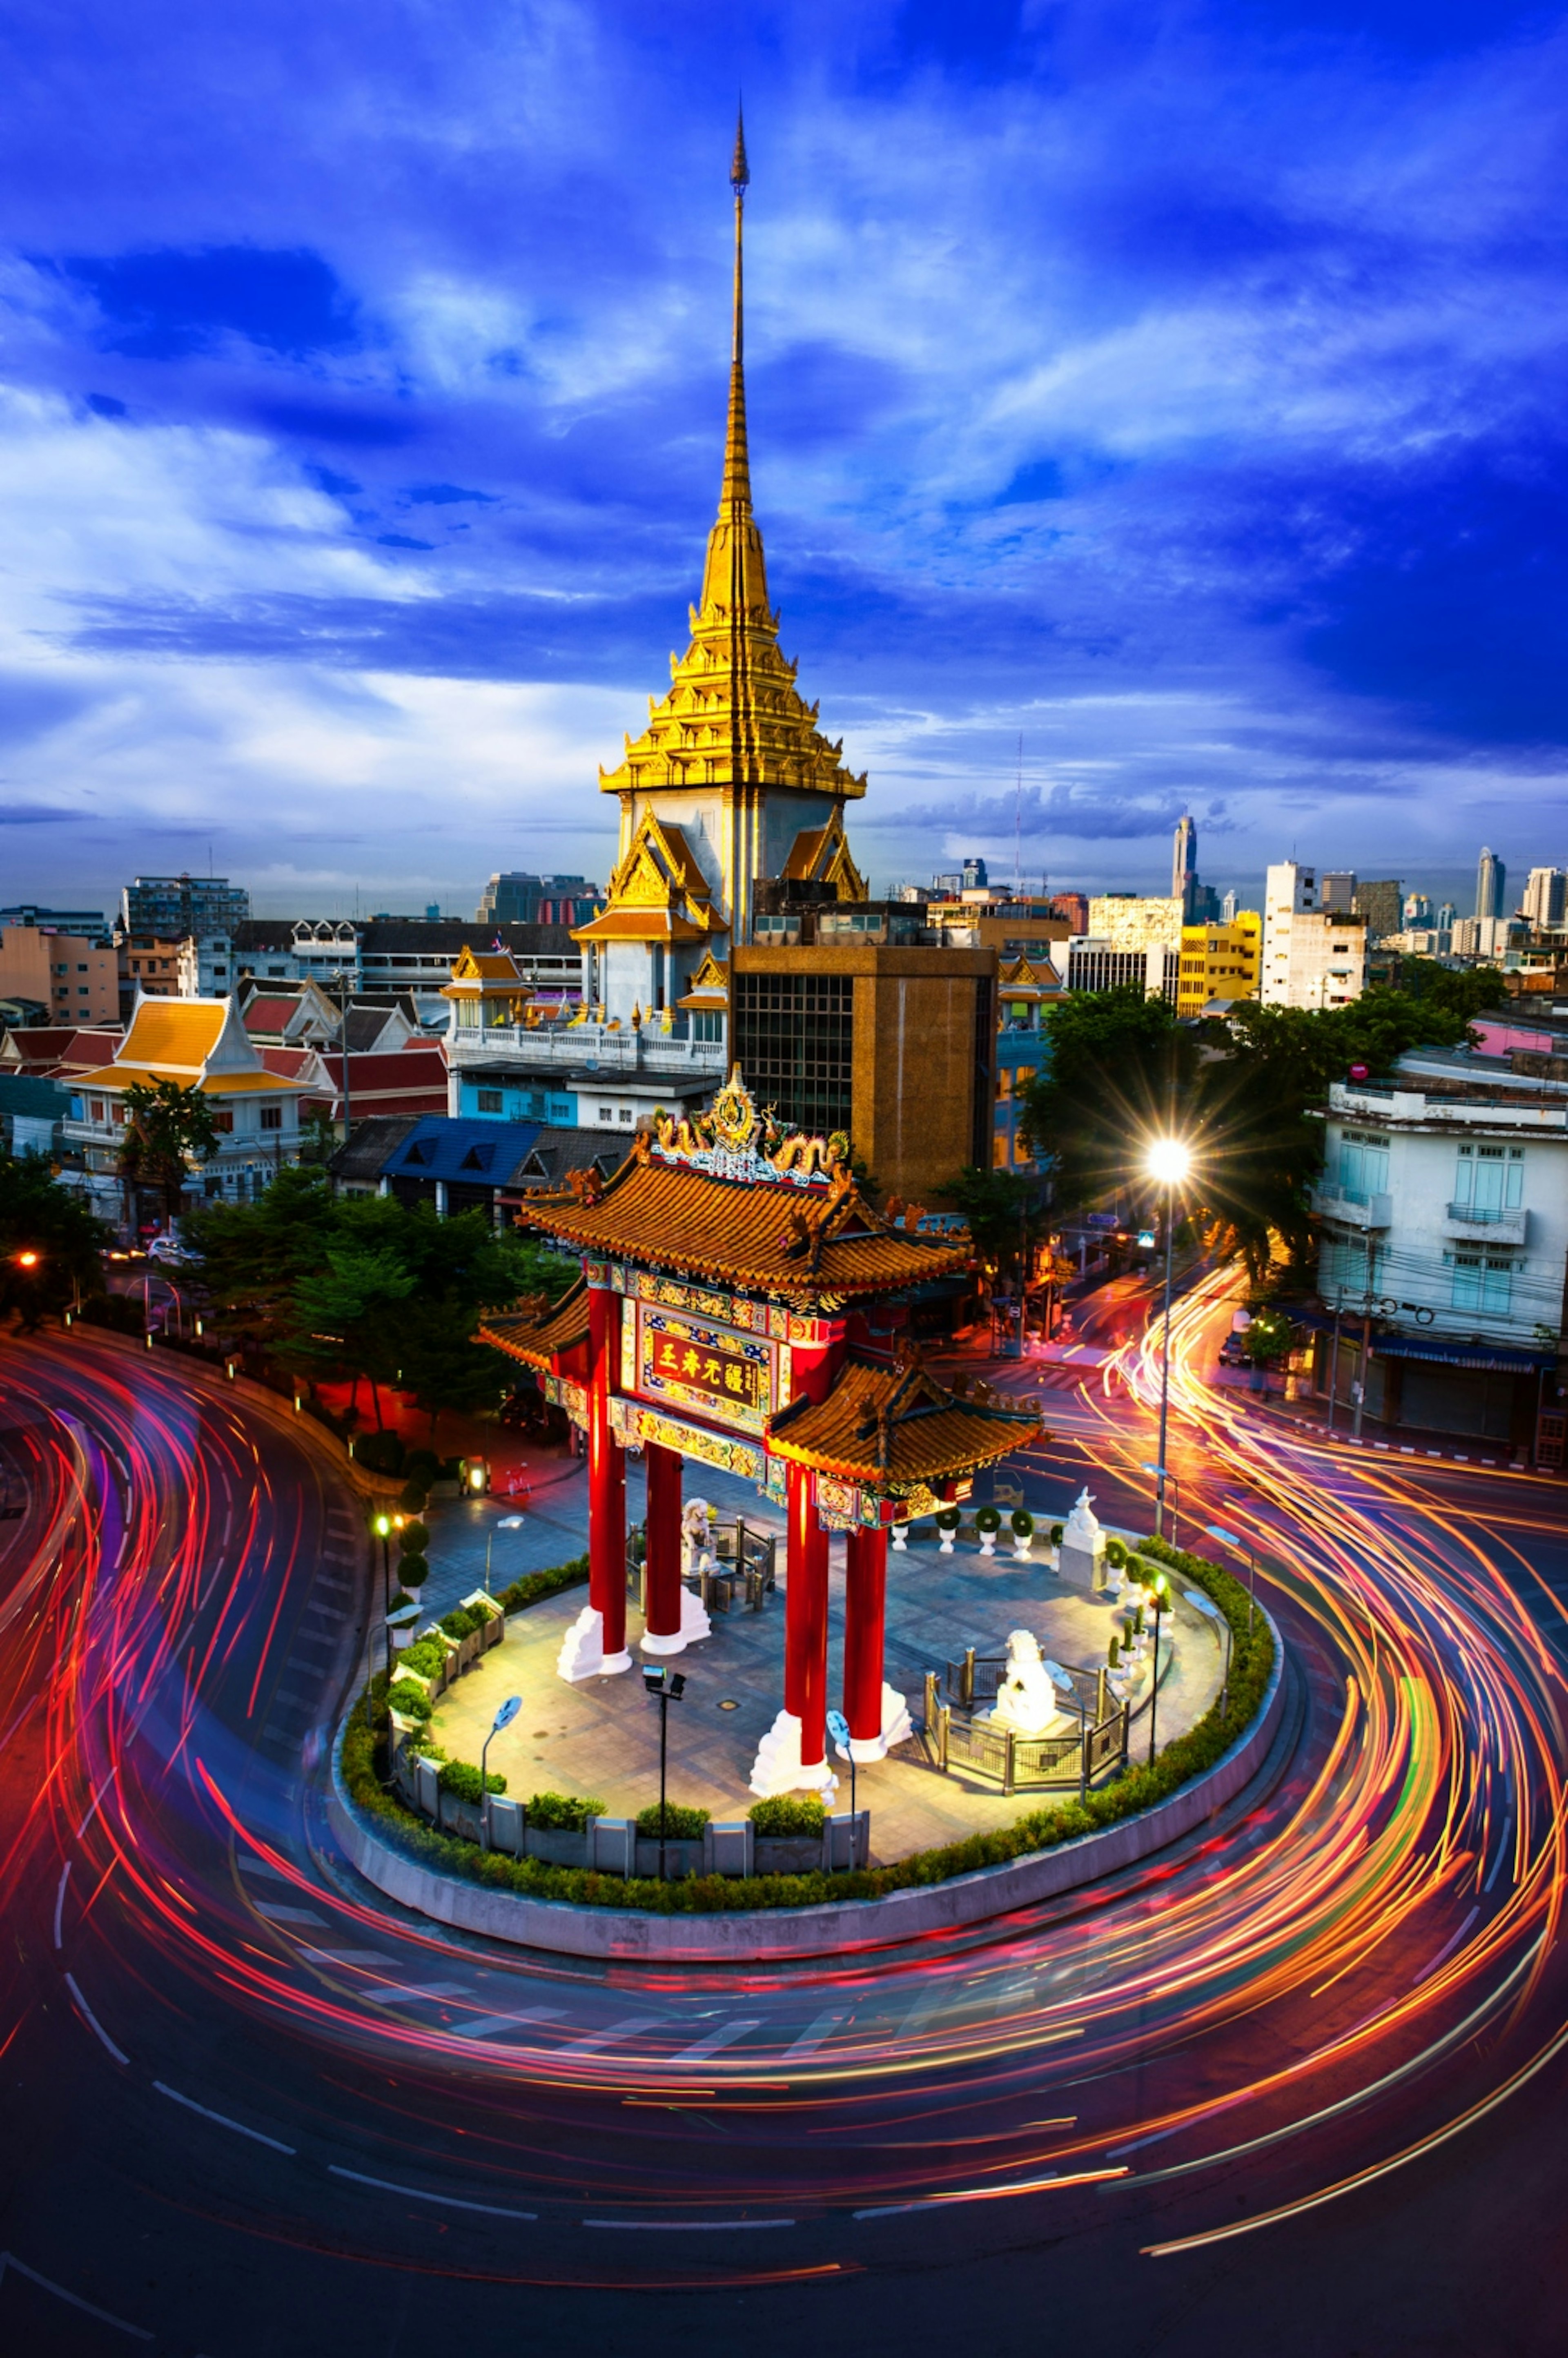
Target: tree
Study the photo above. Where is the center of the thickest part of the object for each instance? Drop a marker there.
(254, 1255)
(168, 1128)
(345, 1313)
(50, 1242)
(1119, 1073)
(1004, 1210)
(318, 1136)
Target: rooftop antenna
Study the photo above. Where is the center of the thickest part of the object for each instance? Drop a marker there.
(1018, 828)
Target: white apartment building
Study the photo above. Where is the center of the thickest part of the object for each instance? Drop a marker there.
(206, 968)
(1312, 957)
(1134, 921)
(1545, 899)
(1444, 1218)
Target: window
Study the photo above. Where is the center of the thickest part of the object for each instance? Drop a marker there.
(1482, 1282)
(607, 1113)
(706, 1026)
(224, 1120)
(272, 1117)
(95, 1109)
(794, 1039)
(81, 967)
(1363, 1164)
(626, 1113)
(488, 1101)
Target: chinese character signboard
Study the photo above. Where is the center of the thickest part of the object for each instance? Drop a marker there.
(689, 1363)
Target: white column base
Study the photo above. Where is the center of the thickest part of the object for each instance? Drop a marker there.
(582, 1654)
(896, 1726)
(778, 1767)
(695, 1625)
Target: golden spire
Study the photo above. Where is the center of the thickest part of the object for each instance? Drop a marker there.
(733, 716)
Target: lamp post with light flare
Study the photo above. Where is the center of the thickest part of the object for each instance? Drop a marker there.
(1168, 1162)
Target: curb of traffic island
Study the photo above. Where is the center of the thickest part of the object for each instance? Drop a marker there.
(744, 1936)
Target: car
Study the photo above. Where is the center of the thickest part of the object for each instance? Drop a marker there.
(169, 1250)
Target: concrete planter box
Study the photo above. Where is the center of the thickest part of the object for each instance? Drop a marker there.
(788, 1854)
(469, 1649)
(728, 1847)
(505, 1824)
(558, 1847)
(460, 1817)
(681, 1858)
(611, 1845)
(427, 1787)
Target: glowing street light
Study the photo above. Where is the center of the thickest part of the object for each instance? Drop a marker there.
(1168, 1162)
(27, 1258)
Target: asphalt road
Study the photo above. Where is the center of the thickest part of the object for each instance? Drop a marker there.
(1293, 2086)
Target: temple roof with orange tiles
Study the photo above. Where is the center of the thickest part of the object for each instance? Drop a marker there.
(882, 1425)
(726, 1197)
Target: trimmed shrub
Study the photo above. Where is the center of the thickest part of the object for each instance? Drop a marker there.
(382, 1452)
(788, 1813)
(412, 1539)
(412, 1571)
(1021, 1523)
(412, 1498)
(685, 1824)
(562, 1813)
(400, 1601)
(1113, 1653)
(1056, 1534)
(427, 1656)
(1115, 1555)
(412, 1701)
(463, 1620)
(950, 1519)
(988, 1518)
(462, 1778)
(534, 1586)
(422, 1466)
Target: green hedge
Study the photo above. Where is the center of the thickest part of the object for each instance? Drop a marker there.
(1253, 1661)
(681, 1823)
(788, 1813)
(534, 1586)
(462, 1778)
(412, 1701)
(562, 1813)
(427, 1657)
(463, 1620)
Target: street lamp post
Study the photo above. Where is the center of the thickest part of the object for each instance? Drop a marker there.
(383, 1532)
(503, 1718)
(1175, 1480)
(1206, 1605)
(666, 1686)
(1157, 1590)
(1169, 1162)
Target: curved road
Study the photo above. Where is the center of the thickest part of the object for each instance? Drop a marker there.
(1294, 2082)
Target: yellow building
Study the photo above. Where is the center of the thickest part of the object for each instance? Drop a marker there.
(1220, 962)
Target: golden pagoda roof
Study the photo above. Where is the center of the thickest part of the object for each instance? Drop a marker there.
(798, 1240)
(733, 716)
(709, 985)
(486, 974)
(897, 1425)
(537, 1333)
(657, 893)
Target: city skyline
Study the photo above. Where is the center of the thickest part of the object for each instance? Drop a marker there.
(346, 534)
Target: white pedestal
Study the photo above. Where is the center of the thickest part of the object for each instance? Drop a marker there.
(778, 1767)
(1083, 1564)
(695, 1625)
(896, 1726)
(582, 1654)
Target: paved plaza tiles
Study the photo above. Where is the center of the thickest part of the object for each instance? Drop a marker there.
(601, 1739)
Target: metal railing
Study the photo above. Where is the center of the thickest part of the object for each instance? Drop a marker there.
(743, 1567)
(956, 1735)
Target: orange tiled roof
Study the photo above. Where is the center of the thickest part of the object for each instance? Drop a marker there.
(899, 1424)
(175, 1035)
(538, 1340)
(798, 1243)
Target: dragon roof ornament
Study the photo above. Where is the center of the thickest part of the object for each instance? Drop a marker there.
(736, 1139)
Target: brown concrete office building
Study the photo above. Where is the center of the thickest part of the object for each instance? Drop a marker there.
(894, 1043)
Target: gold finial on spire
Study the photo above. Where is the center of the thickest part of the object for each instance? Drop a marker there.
(740, 170)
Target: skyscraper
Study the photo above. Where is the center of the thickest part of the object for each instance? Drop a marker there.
(1185, 858)
(1491, 883)
(1544, 898)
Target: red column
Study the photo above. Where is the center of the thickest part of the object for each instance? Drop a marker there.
(662, 1468)
(805, 1617)
(865, 1601)
(606, 1473)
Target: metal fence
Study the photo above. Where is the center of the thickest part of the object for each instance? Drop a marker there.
(742, 1571)
(958, 1737)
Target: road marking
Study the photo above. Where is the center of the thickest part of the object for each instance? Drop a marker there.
(344, 1957)
(623, 2030)
(483, 2023)
(59, 1901)
(386, 1992)
(712, 2040)
(48, 2284)
(93, 2022)
(812, 2037)
(221, 2118)
(250, 1864)
(689, 2226)
(417, 2194)
(277, 1914)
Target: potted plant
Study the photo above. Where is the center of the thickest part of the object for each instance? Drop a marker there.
(988, 1522)
(947, 1522)
(1022, 1524)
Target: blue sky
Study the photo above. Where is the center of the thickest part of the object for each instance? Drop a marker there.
(1179, 387)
